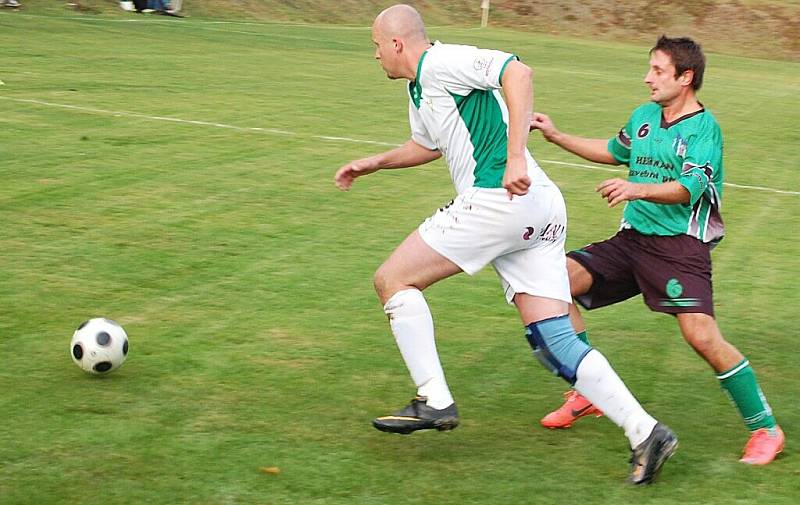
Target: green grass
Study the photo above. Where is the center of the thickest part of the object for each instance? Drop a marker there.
(243, 277)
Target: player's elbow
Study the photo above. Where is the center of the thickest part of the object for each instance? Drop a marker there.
(681, 194)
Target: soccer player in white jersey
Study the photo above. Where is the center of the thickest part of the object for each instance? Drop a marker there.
(506, 212)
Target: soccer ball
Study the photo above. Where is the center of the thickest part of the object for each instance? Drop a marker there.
(99, 345)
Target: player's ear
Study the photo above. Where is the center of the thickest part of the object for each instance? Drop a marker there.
(398, 45)
(686, 78)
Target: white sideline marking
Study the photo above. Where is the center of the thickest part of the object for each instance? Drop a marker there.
(759, 188)
(579, 165)
(276, 131)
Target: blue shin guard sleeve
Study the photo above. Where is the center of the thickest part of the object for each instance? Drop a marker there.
(556, 346)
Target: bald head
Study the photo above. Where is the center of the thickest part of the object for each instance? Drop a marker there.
(400, 21)
(400, 39)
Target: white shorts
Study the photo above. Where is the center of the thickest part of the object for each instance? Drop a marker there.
(522, 238)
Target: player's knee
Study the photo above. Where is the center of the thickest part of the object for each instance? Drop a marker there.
(701, 332)
(556, 346)
(380, 281)
(703, 344)
(385, 284)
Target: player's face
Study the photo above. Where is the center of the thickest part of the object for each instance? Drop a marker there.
(385, 53)
(664, 86)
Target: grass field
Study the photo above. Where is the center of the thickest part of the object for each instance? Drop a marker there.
(176, 175)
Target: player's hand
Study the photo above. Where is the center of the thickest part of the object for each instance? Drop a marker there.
(618, 190)
(515, 179)
(543, 123)
(347, 174)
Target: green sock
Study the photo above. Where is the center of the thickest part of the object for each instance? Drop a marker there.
(742, 387)
(584, 336)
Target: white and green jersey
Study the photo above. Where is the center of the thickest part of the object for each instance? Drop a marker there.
(456, 107)
(687, 150)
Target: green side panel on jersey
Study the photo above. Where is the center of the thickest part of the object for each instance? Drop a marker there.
(484, 120)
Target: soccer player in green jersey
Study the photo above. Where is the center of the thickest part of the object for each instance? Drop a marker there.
(671, 220)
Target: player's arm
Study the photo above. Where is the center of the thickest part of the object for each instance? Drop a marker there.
(595, 150)
(702, 157)
(517, 84)
(619, 190)
(409, 154)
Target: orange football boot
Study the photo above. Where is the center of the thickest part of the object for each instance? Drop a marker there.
(763, 446)
(575, 407)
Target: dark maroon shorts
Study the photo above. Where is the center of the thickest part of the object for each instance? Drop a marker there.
(672, 273)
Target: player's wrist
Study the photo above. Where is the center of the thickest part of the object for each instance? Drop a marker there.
(555, 137)
(641, 191)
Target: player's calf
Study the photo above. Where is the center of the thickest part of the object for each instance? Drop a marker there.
(556, 346)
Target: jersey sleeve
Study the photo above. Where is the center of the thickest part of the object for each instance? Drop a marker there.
(467, 68)
(419, 133)
(620, 145)
(702, 158)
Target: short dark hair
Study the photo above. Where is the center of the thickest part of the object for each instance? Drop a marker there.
(686, 55)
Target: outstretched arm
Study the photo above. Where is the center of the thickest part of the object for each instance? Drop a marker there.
(595, 150)
(409, 154)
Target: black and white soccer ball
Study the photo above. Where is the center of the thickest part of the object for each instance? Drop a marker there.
(99, 345)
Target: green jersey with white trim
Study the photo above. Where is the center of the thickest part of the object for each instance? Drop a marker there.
(455, 106)
(687, 150)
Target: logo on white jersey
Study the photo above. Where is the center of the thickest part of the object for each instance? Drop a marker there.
(482, 62)
(529, 231)
(552, 232)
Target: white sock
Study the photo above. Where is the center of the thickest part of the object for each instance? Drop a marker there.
(601, 385)
(412, 325)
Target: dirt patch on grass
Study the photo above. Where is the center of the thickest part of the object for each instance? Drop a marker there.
(758, 28)
(765, 28)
